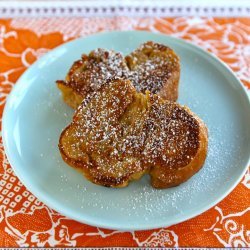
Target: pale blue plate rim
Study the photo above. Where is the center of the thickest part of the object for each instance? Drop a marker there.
(55, 205)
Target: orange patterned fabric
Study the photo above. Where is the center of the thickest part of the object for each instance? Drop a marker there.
(24, 221)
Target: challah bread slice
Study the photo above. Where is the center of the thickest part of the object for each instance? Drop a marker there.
(155, 67)
(87, 74)
(90, 143)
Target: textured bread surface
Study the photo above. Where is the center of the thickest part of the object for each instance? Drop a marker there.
(88, 74)
(118, 135)
(154, 67)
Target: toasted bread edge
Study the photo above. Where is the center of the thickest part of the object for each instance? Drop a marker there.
(177, 177)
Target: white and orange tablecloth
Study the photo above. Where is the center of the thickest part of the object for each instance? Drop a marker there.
(25, 221)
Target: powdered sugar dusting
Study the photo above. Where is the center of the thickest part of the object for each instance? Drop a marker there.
(140, 196)
(119, 133)
(89, 73)
(151, 67)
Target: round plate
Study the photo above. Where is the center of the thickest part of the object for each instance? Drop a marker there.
(35, 115)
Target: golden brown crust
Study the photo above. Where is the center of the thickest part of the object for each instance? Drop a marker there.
(155, 67)
(89, 143)
(171, 177)
(88, 74)
(152, 67)
(118, 135)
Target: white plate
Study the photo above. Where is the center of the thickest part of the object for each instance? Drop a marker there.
(35, 115)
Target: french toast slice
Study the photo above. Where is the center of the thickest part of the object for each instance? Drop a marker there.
(118, 135)
(87, 74)
(90, 143)
(154, 67)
